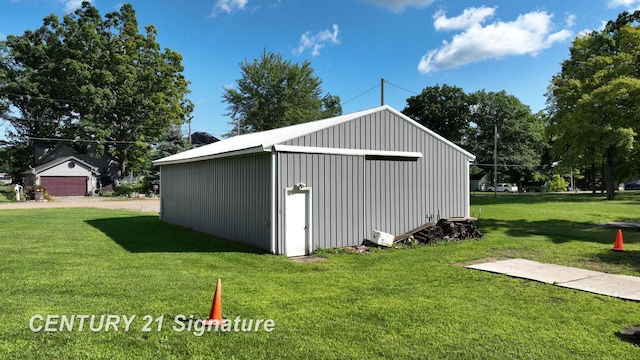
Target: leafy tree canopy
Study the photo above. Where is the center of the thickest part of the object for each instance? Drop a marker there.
(96, 79)
(594, 102)
(468, 120)
(520, 134)
(274, 93)
(445, 110)
(172, 143)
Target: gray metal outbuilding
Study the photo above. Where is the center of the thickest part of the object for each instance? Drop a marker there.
(327, 183)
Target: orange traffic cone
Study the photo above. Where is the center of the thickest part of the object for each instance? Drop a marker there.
(216, 307)
(618, 245)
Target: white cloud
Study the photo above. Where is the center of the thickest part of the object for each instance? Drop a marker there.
(72, 5)
(3, 37)
(468, 18)
(571, 20)
(228, 6)
(317, 41)
(629, 4)
(528, 34)
(583, 32)
(399, 5)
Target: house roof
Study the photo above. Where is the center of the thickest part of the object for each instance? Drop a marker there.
(200, 138)
(58, 161)
(265, 140)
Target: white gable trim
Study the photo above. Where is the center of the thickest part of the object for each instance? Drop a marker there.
(339, 151)
(253, 150)
(56, 162)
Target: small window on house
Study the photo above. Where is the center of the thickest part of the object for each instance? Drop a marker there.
(71, 164)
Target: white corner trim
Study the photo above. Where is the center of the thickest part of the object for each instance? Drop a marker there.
(274, 203)
(339, 151)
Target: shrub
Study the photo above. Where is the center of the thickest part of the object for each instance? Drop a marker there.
(123, 190)
(145, 185)
(557, 184)
(30, 192)
(8, 192)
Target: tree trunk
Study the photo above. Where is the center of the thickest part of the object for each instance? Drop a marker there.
(123, 163)
(593, 178)
(611, 181)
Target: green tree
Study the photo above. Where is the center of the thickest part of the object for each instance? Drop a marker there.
(5, 159)
(521, 135)
(445, 110)
(274, 93)
(97, 79)
(557, 184)
(172, 143)
(27, 82)
(594, 102)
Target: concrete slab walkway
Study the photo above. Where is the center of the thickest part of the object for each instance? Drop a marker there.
(620, 286)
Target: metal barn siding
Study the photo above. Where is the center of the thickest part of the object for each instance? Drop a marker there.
(391, 195)
(226, 197)
(337, 196)
(395, 195)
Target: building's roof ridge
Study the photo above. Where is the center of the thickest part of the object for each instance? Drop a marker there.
(264, 140)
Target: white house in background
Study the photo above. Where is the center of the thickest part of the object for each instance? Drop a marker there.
(47, 151)
(5, 178)
(68, 176)
(321, 184)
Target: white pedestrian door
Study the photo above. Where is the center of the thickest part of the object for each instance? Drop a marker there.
(297, 229)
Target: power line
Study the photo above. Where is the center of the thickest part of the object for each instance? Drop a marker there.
(357, 96)
(83, 140)
(64, 120)
(378, 85)
(65, 101)
(401, 88)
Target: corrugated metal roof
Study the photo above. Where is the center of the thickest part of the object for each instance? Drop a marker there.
(264, 140)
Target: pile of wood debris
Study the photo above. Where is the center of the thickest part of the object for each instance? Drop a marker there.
(451, 229)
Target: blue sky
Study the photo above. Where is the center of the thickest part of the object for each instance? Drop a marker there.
(511, 45)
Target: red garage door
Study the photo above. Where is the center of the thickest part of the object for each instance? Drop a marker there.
(65, 185)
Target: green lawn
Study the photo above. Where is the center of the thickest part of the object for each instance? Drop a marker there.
(399, 303)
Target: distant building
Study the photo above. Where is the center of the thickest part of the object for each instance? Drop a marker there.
(45, 151)
(69, 169)
(480, 182)
(68, 176)
(5, 178)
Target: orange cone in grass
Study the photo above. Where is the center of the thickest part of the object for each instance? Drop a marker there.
(618, 245)
(216, 307)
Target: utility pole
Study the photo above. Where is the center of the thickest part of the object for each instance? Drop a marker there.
(190, 144)
(495, 159)
(382, 92)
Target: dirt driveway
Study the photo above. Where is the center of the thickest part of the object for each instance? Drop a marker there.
(146, 205)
